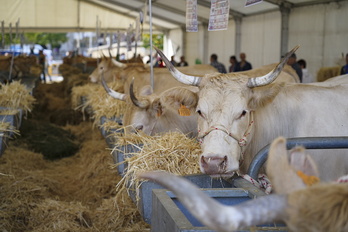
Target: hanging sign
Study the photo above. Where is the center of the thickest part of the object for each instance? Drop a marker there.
(252, 2)
(191, 16)
(219, 13)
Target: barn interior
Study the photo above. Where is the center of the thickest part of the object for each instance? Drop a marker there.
(61, 136)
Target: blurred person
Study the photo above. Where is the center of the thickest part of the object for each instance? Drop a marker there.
(243, 64)
(344, 69)
(214, 62)
(306, 76)
(182, 62)
(233, 62)
(172, 60)
(292, 62)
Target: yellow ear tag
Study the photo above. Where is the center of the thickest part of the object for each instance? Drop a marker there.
(308, 180)
(183, 111)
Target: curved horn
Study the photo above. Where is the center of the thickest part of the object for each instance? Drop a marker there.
(141, 104)
(112, 93)
(215, 215)
(118, 64)
(271, 76)
(179, 76)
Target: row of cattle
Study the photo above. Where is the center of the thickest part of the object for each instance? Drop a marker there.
(233, 115)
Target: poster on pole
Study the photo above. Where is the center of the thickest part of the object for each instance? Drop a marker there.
(219, 13)
(191, 16)
(252, 2)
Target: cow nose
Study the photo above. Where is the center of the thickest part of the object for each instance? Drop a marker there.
(213, 164)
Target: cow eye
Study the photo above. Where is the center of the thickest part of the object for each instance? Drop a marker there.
(200, 113)
(243, 114)
(101, 68)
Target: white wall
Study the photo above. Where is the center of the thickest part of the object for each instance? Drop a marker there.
(261, 39)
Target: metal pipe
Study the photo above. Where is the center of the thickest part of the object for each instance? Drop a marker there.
(307, 142)
(151, 44)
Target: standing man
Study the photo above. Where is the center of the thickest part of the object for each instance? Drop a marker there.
(42, 63)
(243, 65)
(292, 62)
(219, 66)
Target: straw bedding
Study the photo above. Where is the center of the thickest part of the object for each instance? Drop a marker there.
(71, 194)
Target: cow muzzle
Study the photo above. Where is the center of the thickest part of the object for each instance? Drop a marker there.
(211, 164)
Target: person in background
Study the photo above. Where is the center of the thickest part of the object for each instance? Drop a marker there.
(172, 60)
(292, 62)
(233, 62)
(306, 76)
(182, 62)
(214, 62)
(42, 63)
(344, 69)
(243, 64)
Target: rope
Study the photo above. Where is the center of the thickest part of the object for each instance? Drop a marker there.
(262, 182)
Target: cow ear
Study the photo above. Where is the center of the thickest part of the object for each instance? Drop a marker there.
(146, 90)
(157, 107)
(283, 177)
(177, 97)
(302, 162)
(261, 96)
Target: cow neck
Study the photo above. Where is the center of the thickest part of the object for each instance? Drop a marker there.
(242, 142)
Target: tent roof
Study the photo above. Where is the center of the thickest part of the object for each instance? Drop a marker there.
(81, 15)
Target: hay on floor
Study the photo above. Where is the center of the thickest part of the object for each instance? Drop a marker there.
(72, 194)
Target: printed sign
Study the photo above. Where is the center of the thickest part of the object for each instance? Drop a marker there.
(219, 13)
(252, 2)
(191, 16)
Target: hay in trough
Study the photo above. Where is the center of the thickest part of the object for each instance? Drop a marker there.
(16, 95)
(71, 194)
(172, 152)
(97, 98)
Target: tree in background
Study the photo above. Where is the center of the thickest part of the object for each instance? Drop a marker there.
(157, 40)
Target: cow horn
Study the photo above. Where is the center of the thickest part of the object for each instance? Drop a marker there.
(215, 215)
(118, 64)
(141, 104)
(179, 76)
(271, 76)
(112, 93)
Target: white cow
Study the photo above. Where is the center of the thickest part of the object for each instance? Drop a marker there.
(239, 116)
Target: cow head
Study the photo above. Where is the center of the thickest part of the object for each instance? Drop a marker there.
(290, 206)
(147, 111)
(108, 67)
(225, 105)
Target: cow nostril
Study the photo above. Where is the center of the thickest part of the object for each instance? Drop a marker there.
(139, 128)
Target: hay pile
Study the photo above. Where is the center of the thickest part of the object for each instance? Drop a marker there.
(101, 103)
(328, 72)
(15, 95)
(172, 152)
(71, 194)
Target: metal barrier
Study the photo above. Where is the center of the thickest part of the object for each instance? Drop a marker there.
(307, 142)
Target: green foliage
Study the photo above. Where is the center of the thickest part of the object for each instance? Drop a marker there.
(157, 40)
(55, 39)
